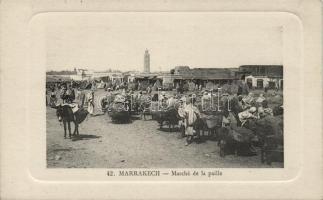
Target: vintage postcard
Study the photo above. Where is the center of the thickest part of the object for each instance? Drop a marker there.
(160, 90)
(167, 93)
(155, 95)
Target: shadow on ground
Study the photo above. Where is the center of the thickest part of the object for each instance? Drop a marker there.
(85, 137)
(172, 130)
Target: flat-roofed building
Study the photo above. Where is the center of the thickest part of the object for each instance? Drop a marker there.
(261, 76)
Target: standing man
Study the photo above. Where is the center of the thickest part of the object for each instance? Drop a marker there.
(90, 99)
(52, 98)
(148, 90)
(191, 115)
(63, 95)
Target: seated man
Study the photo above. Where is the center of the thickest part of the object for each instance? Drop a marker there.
(265, 108)
(260, 99)
(68, 97)
(248, 101)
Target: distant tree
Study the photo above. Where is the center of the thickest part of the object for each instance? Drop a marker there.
(63, 72)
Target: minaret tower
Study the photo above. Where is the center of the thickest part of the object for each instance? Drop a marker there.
(147, 62)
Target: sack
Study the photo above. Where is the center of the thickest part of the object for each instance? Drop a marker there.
(269, 125)
(81, 115)
(118, 107)
(119, 99)
(241, 134)
(212, 121)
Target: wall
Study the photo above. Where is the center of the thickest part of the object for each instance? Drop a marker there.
(266, 81)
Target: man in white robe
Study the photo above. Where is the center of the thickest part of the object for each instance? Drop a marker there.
(191, 115)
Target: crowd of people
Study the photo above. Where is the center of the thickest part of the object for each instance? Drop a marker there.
(216, 109)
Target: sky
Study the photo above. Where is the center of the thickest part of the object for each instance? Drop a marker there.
(118, 41)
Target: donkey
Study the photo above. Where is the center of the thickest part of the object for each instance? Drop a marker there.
(169, 116)
(64, 113)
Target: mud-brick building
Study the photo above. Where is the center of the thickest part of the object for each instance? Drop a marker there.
(202, 76)
(261, 76)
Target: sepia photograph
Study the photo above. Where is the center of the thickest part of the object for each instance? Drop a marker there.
(156, 90)
(160, 99)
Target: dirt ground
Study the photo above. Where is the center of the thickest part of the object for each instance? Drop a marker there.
(140, 144)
